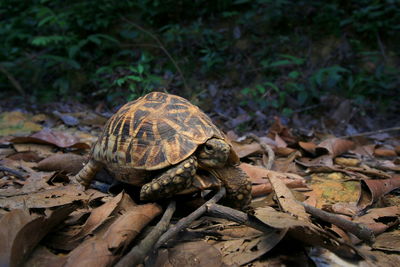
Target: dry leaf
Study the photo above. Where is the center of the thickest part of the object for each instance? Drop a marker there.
(69, 163)
(105, 247)
(334, 146)
(373, 189)
(286, 199)
(57, 196)
(57, 138)
(20, 232)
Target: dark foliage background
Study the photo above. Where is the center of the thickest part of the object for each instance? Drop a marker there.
(232, 57)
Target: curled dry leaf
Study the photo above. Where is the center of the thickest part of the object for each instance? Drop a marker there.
(334, 146)
(308, 146)
(105, 246)
(374, 189)
(21, 231)
(69, 163)
(57, 138)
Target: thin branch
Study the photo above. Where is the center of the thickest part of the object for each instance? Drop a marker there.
(267, 150)
(139, 252)
(12, 80)
(397, 128)
(185, 222)
(13, 172)
(230, 214)
(361, 231)
(162, 47)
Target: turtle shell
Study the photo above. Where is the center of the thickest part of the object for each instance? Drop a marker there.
(153, 132)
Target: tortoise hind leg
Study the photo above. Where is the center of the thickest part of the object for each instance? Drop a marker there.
(176, 179)
(87, 173)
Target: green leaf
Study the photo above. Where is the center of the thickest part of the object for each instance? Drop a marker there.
(294, 74)
(140, 68)
(134, 78)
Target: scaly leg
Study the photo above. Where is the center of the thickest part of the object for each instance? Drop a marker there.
(174, 180)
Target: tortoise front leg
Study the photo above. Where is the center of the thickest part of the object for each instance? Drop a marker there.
(174, 180)
(87, 173)
(238, 186)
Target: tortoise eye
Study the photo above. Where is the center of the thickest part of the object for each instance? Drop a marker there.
(208, 148)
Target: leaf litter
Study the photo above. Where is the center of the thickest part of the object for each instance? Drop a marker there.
(46, 220)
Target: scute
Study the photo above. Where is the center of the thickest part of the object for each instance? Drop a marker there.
(153, 132)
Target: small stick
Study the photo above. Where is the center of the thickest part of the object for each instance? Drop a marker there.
(185, 222)
(230, 214)
(266, 148)
(13, 172)
(397, 128)
(139, 252)
(361, 231)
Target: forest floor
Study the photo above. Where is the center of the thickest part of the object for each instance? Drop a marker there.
(327, 193)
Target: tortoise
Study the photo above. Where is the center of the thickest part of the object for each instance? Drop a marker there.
(159, 141)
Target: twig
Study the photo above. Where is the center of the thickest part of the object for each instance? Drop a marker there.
(162, 47)
(230, 214)
(13, 172)
(185, 222)
(12, 80)
(182, 224)
(362, 232)
(139, 252)
(397, 128)
(267, 149)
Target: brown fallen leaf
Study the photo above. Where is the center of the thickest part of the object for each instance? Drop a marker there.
(244, 150)
(304, 231)
(105, 247)
(374, 189)
(389, 241)
(384, 152)
(278, 129)
(21, 231)
(309, 147)
(380, 219)
(30, 156)
(69, 163)
(334, 146)
(57, 138)
(69, 238)
(238, 252)
(285, 198)
(57, 196)
(42, 150)
(261, 185)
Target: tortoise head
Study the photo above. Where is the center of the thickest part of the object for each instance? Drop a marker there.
(213, 153)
